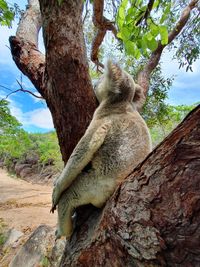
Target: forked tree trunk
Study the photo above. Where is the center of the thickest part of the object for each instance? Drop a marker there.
(63, 78)
(153, 218)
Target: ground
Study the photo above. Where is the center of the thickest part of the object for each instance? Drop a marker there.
(24, 206)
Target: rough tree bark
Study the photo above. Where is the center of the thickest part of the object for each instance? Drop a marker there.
(63, 78)
(153, 218)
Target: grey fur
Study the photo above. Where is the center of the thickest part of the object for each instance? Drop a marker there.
(116, 140)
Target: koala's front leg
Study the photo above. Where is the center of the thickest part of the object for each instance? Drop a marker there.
(55, 196)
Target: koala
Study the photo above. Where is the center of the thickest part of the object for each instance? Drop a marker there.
(116, 140)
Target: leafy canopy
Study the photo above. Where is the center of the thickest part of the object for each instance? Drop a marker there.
(144, 24)
(6, 14)
(139, 31)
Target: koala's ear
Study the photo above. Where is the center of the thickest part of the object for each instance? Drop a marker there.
(139, 97)
(114, 73)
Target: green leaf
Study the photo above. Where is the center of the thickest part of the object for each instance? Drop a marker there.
(125, 33)
(137, 53)
(152, 44)
(149, 36)
(154, 29)
(156, 3)
(130, 47)
(165, 13)
(119, 35)
(144, 44)
(164, 35)
(120, 22)
(124, 3)
(121, 12)
(3, 5)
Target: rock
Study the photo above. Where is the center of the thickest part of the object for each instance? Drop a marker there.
(26, 172)
(57, 252)
(20, 166)
(13, 236)
(35, 249)
(32, 159)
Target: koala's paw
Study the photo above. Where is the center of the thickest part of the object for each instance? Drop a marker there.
(55, 198)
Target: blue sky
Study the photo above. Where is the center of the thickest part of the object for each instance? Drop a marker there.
(33, 113)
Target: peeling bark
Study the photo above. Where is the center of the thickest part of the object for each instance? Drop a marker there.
(29, 60)
(63, 78)
(24, 46)
(153, 218)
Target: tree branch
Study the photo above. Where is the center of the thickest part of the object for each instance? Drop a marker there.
(147, 12)
(24, 46)
(103, 25)
(141, 225)
(143, 76)
(19, 90)
(86, 11)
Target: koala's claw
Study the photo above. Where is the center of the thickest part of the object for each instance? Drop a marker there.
(53, 208)
(55, 197)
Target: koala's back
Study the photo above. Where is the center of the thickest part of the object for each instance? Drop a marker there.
(127, 143)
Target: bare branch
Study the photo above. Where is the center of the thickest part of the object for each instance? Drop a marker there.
(146, 13)
(144, 75)
(103, 25)
(86, 11)
(5, 88)
(21, 89)
(24, 46)
(27, 91)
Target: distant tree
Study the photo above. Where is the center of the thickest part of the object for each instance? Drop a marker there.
(14, 141)
(8, 123)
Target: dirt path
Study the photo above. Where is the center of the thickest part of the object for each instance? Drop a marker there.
(23, 205)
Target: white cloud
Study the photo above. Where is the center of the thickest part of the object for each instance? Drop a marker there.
(170, 67)
(40, 117)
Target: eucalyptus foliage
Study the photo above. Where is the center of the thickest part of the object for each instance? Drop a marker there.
(139, 31)
(6, 13)
(142, 27)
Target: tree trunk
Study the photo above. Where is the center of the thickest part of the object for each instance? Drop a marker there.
(67, 78)
(153, 218)
(63, 78)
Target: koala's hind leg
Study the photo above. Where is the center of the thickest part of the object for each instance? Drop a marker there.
(88, 188)
(65, 224)
(78, 194)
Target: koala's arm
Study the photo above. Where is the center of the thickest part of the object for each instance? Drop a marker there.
(80, 157)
